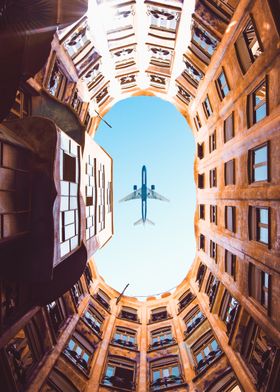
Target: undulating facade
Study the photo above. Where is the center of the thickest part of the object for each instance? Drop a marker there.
(62, 327)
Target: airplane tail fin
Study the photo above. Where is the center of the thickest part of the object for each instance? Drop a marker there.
(144, 222)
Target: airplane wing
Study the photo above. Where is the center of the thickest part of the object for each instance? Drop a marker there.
(154, 195)
(134, 195)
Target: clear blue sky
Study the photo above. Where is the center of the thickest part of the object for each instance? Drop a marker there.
(149, 131)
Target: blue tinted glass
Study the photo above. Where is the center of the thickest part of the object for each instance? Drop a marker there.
(222, 79)
(110, 371)
(71, 344)
(261, 112)
(264, 235)
(260, 155)
(260, 173)
(225, 90)
(175, 371)
(214, 345)
(266, 279)
(199, 357)
(263, 215)
(156, 375)
(86, 357)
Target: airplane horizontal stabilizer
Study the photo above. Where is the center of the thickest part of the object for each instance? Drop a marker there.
(144, 222)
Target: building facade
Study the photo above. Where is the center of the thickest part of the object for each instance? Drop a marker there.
(219, 331)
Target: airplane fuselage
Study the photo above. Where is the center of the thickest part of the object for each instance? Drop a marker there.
(144, 193)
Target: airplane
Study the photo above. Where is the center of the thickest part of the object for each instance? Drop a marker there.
(144, 193)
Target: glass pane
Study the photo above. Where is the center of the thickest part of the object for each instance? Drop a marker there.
(165, 372)
(264, 235)
(264, 215)
(199, 357)
(156, 375)
(71, 344)
(260, 155)
(261, 112)
(78, 350)
(260, 173)
(222, 79)
(175, 371)
(206, 350)
(214, 345)
(225, 90)
(265, 279)
(86, 357)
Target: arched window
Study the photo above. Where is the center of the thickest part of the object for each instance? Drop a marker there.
(185, 300)
(103, 299)
(159, 314)
(128, 313)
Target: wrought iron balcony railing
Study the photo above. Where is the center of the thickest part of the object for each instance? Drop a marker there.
(125, 343)
(93, 325)
(159, 317)
(128, 316)
(193, 325)
(165, 382)
(185, 301)
(77, 359)
(205, 362)
(162, 343)
(119, 382)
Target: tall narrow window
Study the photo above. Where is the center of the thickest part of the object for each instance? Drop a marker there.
(57, 314)
(248, 46)
(230, 218)
(201, 181)
(185, 300)
(230, 263)
(212, 142)
(222, 85)
(213, 178)
(211, 289)
(200, 150)
(258, 163)
(259, 224)
(229, 171)
(213, 214)
(259, 285)
(213, 250)
(201, 211)
(90, 190)
(103, 299)
(257, 104)
(200, 274)
(229, 127)
(202, 242)
(228, 310)
(207, 107)
(197, 122)
(77, 292)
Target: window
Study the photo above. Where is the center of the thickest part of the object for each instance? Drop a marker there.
(125, 337)
(229, 171)
(212, 142)
(213, 214)
(109, 196)
(213, 250)
(202, 242)
(77, 292)
(201, 211)
(200, 150)
(78, 40)
(259, 224)
(222, 85)
(161, 338)
(228, 311)
(165, 373)
(193, 319)
(248, 46)
(69, 200)
(21, 107)
(58, 382)
(205, 351)
(90, 190)
(57, 82)
(257, 104)
(229, 127)
(197, 122)
(93, 319)
(201, 181)
(103, 299)
(23, 353)
(185, 300)
(259, 285)
(203, 39)
(88, 276)
(207, 107)
(129, 313)
(230, 218)
(192, 73)
(200, 274)
(213, 178)
(80, 352)
(120, 373)
(259, 353)
(101, 190)
(258, 163)
(212, 288)
(57, 314)
(159, 314)
(230, 263)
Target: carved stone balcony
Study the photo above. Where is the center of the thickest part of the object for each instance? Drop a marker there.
(162, 343)
(204, 363)
(165, 382)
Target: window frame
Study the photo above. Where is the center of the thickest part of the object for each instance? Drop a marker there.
(229, 172)
(255, 225)
(213, 213)
(232, 227)
(253, 106)
(252, 165)
(220, 87)
(212, 141)
(207, 107)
